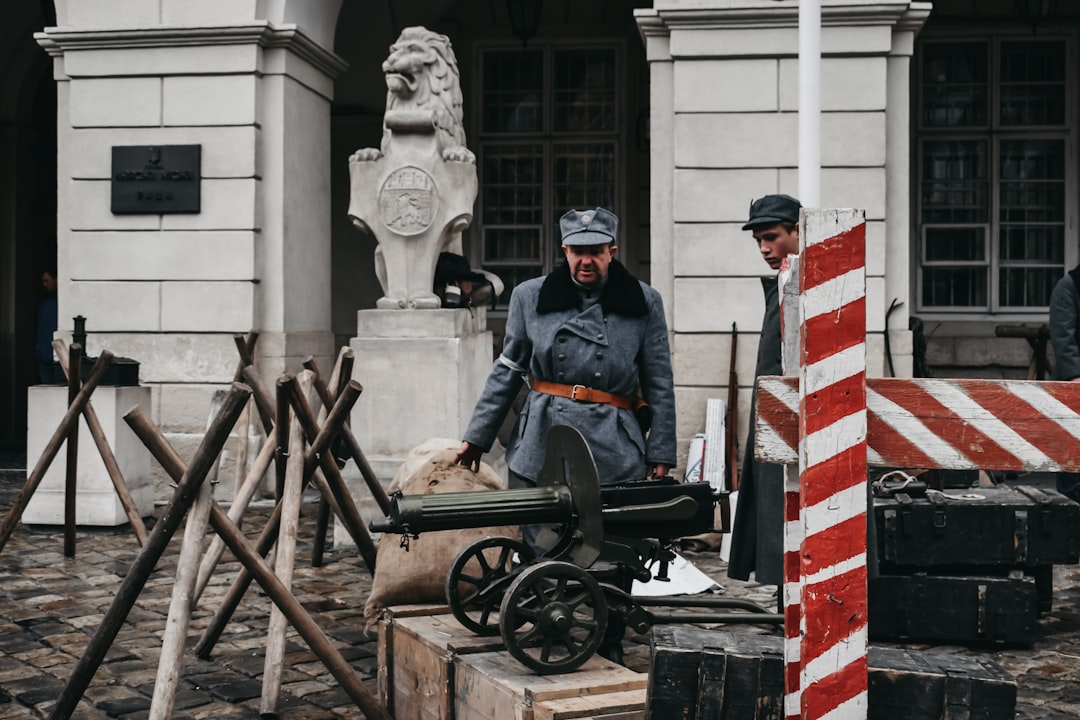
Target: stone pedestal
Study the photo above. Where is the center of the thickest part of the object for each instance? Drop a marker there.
(422, 372)
(96, 503)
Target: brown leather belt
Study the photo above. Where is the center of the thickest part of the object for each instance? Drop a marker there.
(581, 393)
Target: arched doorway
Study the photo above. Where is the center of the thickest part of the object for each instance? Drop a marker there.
(27, 203)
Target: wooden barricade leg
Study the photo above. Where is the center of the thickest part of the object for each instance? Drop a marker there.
(355, 451)
(244, 424)
(71, 480)
(338, 376)
(346, 508)
(832, 465)
(268, 536)
(240, 502)
(143, 565)
(179, 619)
(350, 515)
(253, 562)
(291, 498)
(75, 408)
(112, 467)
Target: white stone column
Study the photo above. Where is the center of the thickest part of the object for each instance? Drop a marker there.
(171, 290)
(661, 154)
(898, 168)
(725, 102)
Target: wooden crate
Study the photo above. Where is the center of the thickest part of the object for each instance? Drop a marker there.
(385, 650)
(495, 686)
(421, 682)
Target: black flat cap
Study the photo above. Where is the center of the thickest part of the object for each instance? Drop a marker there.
(772, 209)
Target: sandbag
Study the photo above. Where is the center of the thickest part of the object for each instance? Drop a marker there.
(418, 575)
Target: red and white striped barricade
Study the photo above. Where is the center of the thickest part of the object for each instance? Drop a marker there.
(833, 423)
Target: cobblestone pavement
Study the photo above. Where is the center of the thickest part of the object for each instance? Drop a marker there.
(50, 606)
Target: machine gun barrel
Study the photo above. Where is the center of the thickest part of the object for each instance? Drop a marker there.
(656, 511)
(484, 508)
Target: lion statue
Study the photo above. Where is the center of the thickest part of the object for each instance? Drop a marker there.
(422, 83)
(415, 193)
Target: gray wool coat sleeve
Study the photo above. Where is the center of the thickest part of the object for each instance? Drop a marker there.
(1063, 329)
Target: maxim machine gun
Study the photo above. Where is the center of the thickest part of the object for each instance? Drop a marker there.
(552, 610)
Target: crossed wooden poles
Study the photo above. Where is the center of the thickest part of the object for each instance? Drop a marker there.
(67, 432)
(192, 498)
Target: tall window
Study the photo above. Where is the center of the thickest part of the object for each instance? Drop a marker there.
(995, 190)
(548, 143)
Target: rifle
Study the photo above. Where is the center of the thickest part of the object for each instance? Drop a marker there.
(731, 421)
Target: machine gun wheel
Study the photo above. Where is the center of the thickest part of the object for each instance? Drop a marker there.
(478, 578)
(553, 617)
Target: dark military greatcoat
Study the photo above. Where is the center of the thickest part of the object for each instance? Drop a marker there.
(757, 537)
(607, 339)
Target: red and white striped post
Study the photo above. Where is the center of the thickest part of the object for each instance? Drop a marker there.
(832, 627)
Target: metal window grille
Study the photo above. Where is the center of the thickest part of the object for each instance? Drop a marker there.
(995, 186)
(549, 141)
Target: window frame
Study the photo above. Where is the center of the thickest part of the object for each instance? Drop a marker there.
(994, 134)
(548, 138)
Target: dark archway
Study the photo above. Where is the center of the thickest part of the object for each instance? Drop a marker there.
(27, 203)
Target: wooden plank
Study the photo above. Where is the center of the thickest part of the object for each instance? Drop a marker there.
(624, 705)
(967, 424)
(495, 686)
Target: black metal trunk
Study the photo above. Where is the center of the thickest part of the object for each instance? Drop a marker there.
(714, 675)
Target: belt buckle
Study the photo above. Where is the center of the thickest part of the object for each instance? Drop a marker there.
(574, 391)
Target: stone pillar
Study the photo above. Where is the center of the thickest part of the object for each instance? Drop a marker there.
(172, 289)
(724, 129)
(898, 168)
(97, 502)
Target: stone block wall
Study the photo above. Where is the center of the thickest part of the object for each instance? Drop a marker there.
(171, 290)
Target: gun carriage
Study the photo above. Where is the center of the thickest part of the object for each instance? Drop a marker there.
(551, 611)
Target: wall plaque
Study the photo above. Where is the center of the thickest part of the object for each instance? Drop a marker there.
(156, 179)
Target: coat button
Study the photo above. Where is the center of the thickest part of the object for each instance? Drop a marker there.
(562, 375)
(599, 356)
(599, 336)
(596, 375)
(562, 356)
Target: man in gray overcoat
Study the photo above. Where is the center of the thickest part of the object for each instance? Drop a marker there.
(589, 335)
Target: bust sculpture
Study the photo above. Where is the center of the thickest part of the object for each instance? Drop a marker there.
(416, 192)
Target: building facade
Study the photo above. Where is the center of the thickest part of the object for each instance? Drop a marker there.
(953, 124)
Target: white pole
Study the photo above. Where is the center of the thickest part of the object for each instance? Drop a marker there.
(810, 103)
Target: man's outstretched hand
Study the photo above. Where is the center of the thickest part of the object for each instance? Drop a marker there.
(469, 455)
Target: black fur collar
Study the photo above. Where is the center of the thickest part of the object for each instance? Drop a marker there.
(621, 295)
